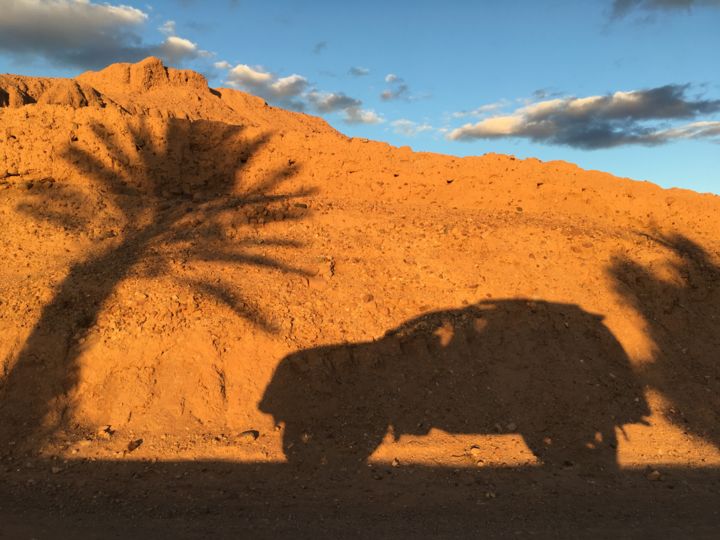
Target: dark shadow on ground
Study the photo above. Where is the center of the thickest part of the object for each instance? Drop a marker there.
(168, 194)
(682, 314)
(240, 500)
(551, 372)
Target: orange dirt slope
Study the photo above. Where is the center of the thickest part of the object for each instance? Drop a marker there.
(224, 280)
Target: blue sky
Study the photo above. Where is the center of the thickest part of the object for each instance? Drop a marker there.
(631, 87)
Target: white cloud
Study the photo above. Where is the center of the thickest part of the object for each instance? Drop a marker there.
(292, 92)
(409, 128)
(636, 117)
(284, 91)
(356, 115)
(391, 78)
(289, 86)
(83, 33)
(326, 102)
(244, 75)
(174, 49)
(491, 127)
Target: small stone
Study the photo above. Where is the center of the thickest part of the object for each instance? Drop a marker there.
(511, 426)
(475, 452)
(653, 475)
(395, 462)
(249, 435)
(55, 469)
(329, 270)
(134, 445)
(105, 432)
(368, 298)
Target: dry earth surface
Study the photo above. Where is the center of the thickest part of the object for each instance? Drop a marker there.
(219, 318)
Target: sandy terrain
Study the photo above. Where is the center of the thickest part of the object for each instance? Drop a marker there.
(217, 316)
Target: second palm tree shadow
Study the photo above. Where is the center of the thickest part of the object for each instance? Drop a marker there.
(681, 315)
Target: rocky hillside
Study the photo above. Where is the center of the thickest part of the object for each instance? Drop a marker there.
(194, 269)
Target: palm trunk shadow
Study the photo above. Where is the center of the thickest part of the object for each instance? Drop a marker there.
(35, 394)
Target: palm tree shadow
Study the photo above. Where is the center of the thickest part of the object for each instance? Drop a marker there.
(170, 190)
(681, 313)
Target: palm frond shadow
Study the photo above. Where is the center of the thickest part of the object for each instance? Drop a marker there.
(64, 206)
(169, 189)
(680, 311)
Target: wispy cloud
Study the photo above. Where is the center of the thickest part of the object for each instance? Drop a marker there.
(295, 92)
(409, 128)
(639, 117)
(621, 8)
(186, 3)
(358, 71)
(694, 130)
(85, 34)
(398, 88)
(168, 28)
(319, 47)
(482, 110)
